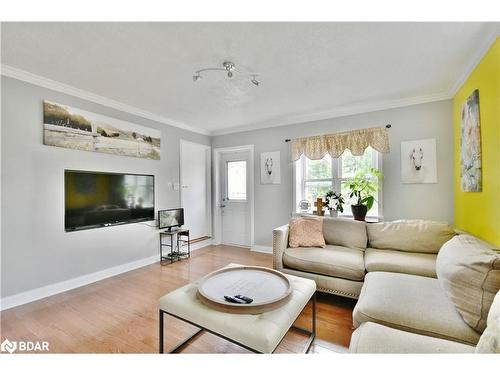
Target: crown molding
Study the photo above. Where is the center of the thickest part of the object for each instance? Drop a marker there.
(476, 58)
(373, 106)
(335, 113)
(22, 75)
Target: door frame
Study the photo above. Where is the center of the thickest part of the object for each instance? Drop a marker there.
(217, 212)
(208, 167)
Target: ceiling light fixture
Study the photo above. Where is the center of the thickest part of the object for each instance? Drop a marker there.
(229, 68)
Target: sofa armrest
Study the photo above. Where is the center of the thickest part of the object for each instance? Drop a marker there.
(280, 243)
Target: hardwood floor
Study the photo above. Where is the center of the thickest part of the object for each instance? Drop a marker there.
(120, 314)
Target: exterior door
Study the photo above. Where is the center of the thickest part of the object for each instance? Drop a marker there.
(235, 207)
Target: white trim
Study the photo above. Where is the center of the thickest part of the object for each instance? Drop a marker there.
(217, 152)
(10, 71)
(63, 286)
(49, 290)
(475, 59)
(202, 244)
(375, 105)
(262, 249)
(338, 112)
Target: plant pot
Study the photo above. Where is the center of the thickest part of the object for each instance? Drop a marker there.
(359, 212)
(334, 213)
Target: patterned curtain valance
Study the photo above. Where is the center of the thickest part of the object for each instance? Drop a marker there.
(316, 147)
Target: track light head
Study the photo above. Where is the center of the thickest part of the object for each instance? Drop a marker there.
(254, 81)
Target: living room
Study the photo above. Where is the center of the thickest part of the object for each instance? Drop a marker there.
(250, 187)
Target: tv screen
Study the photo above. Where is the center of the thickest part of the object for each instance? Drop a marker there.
(171, 218)
(96, 199)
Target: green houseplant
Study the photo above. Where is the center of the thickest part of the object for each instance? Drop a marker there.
(335, 202)
(362, 186)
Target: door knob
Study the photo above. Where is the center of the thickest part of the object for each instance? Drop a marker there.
(222, 205)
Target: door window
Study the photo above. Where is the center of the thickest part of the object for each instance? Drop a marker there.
(236, 180)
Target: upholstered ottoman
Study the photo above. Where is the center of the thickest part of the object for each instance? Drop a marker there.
(261, 333)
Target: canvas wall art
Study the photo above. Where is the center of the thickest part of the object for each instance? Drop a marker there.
(270, 168)
(470, 145)
(418, 162)
(70, 127)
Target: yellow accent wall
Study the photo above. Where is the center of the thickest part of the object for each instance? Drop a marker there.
(479, 213)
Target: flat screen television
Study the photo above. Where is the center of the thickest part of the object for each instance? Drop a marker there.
(99, 199)
(167, 219)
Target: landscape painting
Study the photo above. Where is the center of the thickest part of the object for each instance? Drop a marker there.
(70, 127)
(470, 145)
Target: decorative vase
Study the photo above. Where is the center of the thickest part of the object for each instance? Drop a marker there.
(359, 212)
(334, 213)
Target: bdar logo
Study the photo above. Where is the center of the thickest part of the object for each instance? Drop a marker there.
(8, 346)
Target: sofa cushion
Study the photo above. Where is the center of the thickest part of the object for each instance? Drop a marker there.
(336, 261)
(469, 272)
(490, 339)
(306, 231)
(419, 236)
(376, 338)
(345, 232)
(400, 261)
(411, 303)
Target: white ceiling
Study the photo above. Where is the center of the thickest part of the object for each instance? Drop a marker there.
(307, 70)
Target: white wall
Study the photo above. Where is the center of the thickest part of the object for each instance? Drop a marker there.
(273, 203)
(36, 251)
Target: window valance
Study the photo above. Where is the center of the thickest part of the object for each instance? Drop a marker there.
(316, 147)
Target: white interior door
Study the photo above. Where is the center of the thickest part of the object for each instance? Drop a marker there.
(235, 206)
(196, 195)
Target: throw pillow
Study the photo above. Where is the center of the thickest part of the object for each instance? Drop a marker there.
(469, 272)
(306, 232)
(489, 342)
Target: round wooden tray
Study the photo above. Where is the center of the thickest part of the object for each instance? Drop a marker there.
(268, 288)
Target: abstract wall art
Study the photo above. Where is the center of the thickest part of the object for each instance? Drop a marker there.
(470, 145)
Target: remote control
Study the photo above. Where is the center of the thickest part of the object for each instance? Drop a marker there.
(240, 300)
(244, 298)
(233, 300)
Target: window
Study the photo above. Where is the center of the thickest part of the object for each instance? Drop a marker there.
(314, 178)
(236, 180)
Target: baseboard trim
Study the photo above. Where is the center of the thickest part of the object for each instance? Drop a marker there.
(201, 244)
(63, 286)
(262, 249)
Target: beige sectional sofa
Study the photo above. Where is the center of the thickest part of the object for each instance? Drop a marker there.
(354, 248)
(422, 288)
(399, 313)
(442, 334)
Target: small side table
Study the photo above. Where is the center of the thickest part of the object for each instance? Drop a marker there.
(179, 248)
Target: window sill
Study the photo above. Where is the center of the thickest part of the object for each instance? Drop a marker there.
(369, 219)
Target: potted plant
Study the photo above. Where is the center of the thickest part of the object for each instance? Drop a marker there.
(334, 202)
(362, 186)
